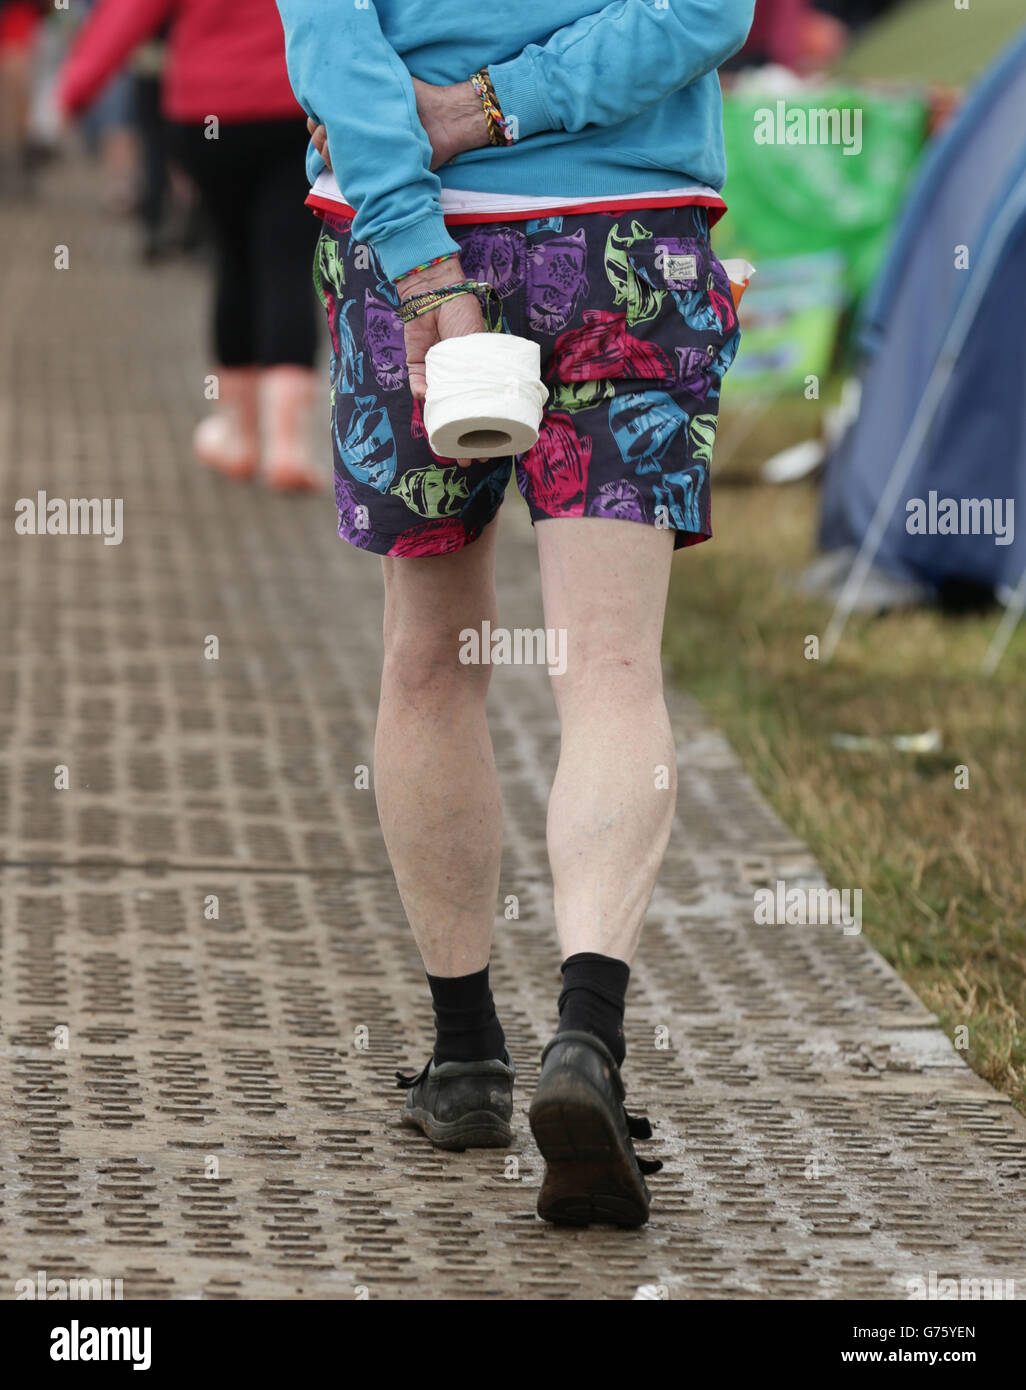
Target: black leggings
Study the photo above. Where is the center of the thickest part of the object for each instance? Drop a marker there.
(253, 184)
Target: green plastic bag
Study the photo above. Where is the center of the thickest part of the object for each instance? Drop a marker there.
(813, 220)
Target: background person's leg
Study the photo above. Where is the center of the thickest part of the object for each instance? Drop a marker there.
(221, 170)
(153, 172)
(227, 439)
(434, 768)
(611, 807)
(285, 234)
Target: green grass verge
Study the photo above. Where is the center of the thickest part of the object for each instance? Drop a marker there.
(943, 871)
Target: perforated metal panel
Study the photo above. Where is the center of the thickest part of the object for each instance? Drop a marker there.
(221, 1118)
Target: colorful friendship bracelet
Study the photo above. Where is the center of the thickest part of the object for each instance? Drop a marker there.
(498, 130)
(426, 266)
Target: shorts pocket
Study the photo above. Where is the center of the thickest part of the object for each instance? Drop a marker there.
(682, 276)
(682, 298)
(666, 311)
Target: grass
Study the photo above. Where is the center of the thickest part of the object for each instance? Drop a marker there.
(922, 41)
(943, 871)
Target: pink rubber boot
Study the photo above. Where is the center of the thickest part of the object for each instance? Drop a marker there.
(288, 397)
(228, 440)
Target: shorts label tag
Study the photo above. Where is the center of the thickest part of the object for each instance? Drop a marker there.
(679, 269)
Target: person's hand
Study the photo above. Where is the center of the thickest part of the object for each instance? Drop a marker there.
(455, 319)
(452, 116)
(453, 119)
(320, 138)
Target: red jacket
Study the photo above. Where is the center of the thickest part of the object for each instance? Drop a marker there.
(226, 58)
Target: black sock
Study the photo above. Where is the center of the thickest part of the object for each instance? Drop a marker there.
(593, 997)
(466, 1027)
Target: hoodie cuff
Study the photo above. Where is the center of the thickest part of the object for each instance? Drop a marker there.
(522, 96)
(315, 165)
(424, 241)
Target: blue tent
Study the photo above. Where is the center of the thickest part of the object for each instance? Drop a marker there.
(941, 430)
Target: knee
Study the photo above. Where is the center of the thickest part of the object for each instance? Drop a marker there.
(426, 660)
(600, 675)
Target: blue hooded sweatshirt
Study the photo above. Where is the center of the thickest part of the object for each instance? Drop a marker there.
(604, 99)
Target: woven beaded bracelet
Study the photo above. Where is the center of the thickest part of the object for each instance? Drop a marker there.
(425, 303)
(498, 130)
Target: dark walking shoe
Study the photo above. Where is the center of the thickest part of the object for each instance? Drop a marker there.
(592, 1173)
(461, 1105)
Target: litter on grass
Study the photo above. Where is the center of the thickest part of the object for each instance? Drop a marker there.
(928, 742)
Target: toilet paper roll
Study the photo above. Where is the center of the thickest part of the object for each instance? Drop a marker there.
(484, 396)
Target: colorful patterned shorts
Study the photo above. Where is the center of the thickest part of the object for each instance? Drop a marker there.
(636, 324)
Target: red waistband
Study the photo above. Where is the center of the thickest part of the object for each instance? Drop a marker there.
(717, 207)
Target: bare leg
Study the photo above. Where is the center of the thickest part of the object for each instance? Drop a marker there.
(613, 797)
(434, 768)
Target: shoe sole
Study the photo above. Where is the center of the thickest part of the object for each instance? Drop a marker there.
(591, 1175)
(478, 1130)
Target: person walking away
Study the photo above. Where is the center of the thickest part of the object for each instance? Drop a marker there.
(560, 162)
(236, 128)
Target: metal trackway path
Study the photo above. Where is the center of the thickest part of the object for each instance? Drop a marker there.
(213, 1127)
